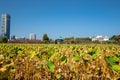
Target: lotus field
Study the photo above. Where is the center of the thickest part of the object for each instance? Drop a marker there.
(59, 62)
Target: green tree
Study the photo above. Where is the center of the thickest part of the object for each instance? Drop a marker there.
(4, 39)
(45, 38)
(118, 39)
(115, 39)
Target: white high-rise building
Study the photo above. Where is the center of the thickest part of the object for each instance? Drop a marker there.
(6, 25)
(32, 36)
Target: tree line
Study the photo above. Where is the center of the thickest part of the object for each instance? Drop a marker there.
(115, 39)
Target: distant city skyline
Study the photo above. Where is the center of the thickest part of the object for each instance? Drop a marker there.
(66, 18)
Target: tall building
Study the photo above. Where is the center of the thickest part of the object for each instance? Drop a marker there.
(32, 36)
(6, 25)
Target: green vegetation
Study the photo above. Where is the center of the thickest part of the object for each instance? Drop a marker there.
(59, 62)
(4, 39)
(115, 39)
(45, 38)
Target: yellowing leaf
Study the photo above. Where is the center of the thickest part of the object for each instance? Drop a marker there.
(58, 76)
(31, 54)
(116, 68)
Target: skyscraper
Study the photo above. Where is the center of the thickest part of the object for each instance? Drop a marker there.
(6, 25)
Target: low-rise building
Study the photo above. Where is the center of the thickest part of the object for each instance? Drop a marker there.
(100, 38)
(32, 36)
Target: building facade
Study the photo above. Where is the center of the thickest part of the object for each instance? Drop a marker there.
(6, 25)
(32, 37)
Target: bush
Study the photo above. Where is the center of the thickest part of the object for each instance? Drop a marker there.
(4, 39)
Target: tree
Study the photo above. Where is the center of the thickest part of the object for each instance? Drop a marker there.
(4, 39)
(115, 39)
(45, 38)
(118, 39)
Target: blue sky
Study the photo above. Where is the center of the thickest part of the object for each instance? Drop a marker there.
(66, 18)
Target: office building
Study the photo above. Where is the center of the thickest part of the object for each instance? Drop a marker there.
(6, 25)
(32, 36)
